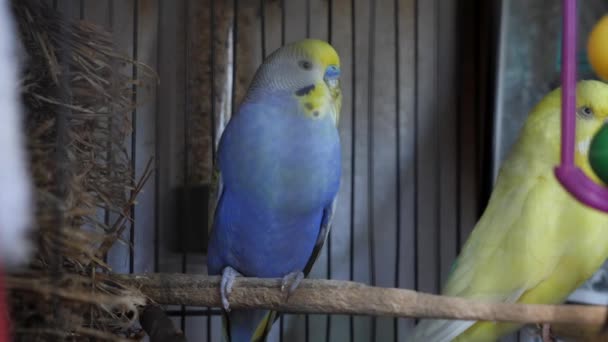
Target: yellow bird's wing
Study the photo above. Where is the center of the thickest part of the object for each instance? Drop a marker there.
(530, 228)
(534, 242)
(486, 249)
(505, 253)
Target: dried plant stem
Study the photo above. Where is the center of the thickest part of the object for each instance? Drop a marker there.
(119, 226)
(97, 334)
(47, 290)
(78, 104)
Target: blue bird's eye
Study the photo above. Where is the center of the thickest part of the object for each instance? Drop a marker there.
(304, 64)
(332, 72)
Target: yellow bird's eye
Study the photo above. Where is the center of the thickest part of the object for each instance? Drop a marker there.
(585, 112)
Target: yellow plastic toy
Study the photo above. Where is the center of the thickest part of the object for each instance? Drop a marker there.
(597, 48)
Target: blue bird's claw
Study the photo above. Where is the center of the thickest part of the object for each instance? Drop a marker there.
(228, 276)
(290, 283)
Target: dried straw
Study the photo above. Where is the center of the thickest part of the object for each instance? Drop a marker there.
(78, 107)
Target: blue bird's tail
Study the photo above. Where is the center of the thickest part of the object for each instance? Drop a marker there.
(248, 325)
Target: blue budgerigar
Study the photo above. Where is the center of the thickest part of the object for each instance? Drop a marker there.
(278, 173)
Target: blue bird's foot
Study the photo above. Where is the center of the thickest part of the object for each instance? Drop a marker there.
(228, 276)
(290, 283)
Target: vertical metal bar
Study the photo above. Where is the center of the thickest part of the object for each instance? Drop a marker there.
(306, 327)
(135, 75)
(212, 118)
(186, 174)
(158, 130)
(501, 36)
(397, 156)
(416, 143)
(235, 45)
(263, 28)
(370, 151)
(308, 18)
(282, 22)
(480, 116)
(330, 15)
(212, 68)
(459, 147)
(436, 6)
(351, 258)
(106, 214)
(281, 327)
(568, 76)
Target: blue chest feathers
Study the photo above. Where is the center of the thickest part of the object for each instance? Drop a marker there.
(286, 162)
(279, 172)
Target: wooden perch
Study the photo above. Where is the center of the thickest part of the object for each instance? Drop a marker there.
(344, 297)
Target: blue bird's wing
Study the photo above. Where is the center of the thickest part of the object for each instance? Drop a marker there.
(265, 325)
(326, 221)
(215, 194)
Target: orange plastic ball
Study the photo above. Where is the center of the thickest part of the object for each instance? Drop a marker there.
(597, 48)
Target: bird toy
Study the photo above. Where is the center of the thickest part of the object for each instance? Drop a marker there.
(569, 175)
(597, 50)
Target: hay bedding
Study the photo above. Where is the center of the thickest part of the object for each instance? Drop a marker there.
(77, 107)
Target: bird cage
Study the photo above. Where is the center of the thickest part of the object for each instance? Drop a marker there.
(420, 145)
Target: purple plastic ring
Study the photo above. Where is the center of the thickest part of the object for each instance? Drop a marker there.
(569, 175)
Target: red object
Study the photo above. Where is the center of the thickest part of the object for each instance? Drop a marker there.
(4, 319)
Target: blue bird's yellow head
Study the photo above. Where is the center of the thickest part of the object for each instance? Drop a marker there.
(309, 70)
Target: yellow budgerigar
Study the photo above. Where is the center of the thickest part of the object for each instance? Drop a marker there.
(534, 242)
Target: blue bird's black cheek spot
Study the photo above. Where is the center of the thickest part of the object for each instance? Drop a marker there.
(305, 91)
